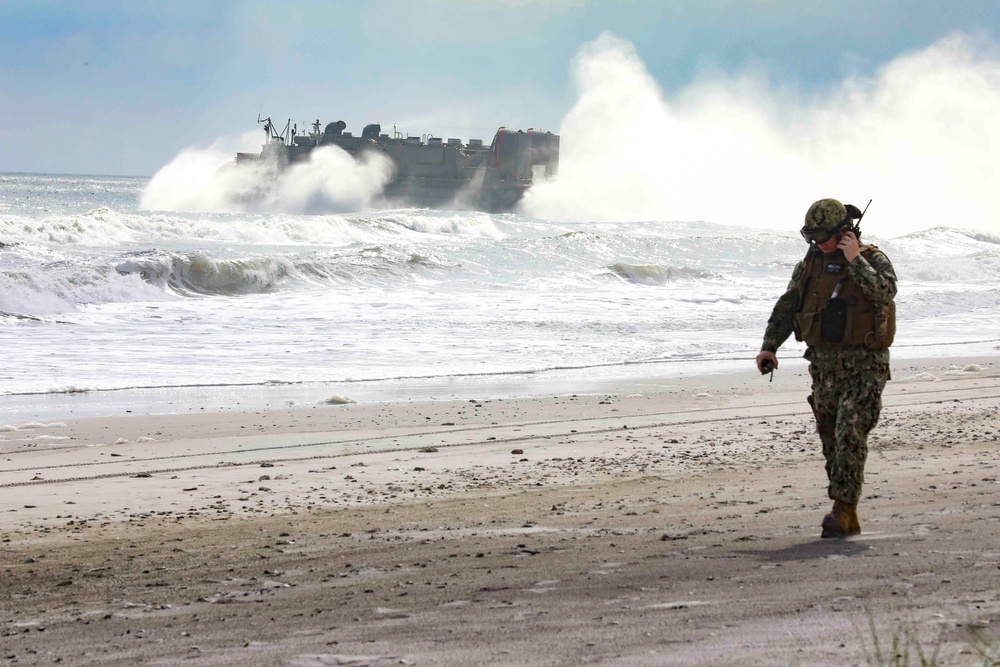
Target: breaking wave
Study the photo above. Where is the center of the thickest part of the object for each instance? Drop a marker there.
(53, 287)
(198, 273)
(463, 223)
(60, 287)
(96, 227)
(104, 227)
(658, 275)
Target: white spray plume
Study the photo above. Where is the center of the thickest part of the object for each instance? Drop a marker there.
(333, 181)
(207, 180)
(918, 137)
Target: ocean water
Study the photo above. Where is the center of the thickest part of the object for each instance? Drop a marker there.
(105, 306)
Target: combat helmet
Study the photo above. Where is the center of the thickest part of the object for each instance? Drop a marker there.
(823, 219)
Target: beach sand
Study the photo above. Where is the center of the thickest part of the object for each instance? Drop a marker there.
(652, 527)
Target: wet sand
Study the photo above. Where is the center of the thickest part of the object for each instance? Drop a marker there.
(675, 526)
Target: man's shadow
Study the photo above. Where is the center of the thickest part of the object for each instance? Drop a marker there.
(811, 550)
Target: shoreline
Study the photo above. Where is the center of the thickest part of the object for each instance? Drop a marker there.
(626, 526)
(666, 376)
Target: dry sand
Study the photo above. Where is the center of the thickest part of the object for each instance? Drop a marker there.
(657, 528)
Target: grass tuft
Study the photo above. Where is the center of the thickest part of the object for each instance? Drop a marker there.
(905, 649)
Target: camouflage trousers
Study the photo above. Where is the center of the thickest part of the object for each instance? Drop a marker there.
(847, 384)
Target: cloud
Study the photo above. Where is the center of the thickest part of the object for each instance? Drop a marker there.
(917, 136)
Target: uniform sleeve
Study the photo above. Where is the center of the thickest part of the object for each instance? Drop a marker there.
(875, 277)
(779, 325)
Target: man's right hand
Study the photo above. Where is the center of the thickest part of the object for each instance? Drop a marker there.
(766, 356)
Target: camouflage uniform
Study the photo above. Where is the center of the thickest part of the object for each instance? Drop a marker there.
(847, 380)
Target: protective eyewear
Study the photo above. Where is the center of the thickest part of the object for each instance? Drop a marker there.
(819, 237)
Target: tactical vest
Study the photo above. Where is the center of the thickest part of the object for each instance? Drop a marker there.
(833, 311)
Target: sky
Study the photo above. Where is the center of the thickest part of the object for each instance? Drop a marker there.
(746, 97)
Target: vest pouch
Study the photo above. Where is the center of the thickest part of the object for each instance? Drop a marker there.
(803, 325)
(834, 321)
(883, 328)
(885, 322)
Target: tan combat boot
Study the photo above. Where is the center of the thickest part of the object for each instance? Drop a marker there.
(854, 526)
(842, 521)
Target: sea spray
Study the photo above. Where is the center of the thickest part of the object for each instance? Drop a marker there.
(917, 136)
(330, 181)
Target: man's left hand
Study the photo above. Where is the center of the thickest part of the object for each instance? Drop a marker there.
(849, 244)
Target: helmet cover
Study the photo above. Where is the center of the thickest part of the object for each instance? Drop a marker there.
(823, 219)
(826, 215)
